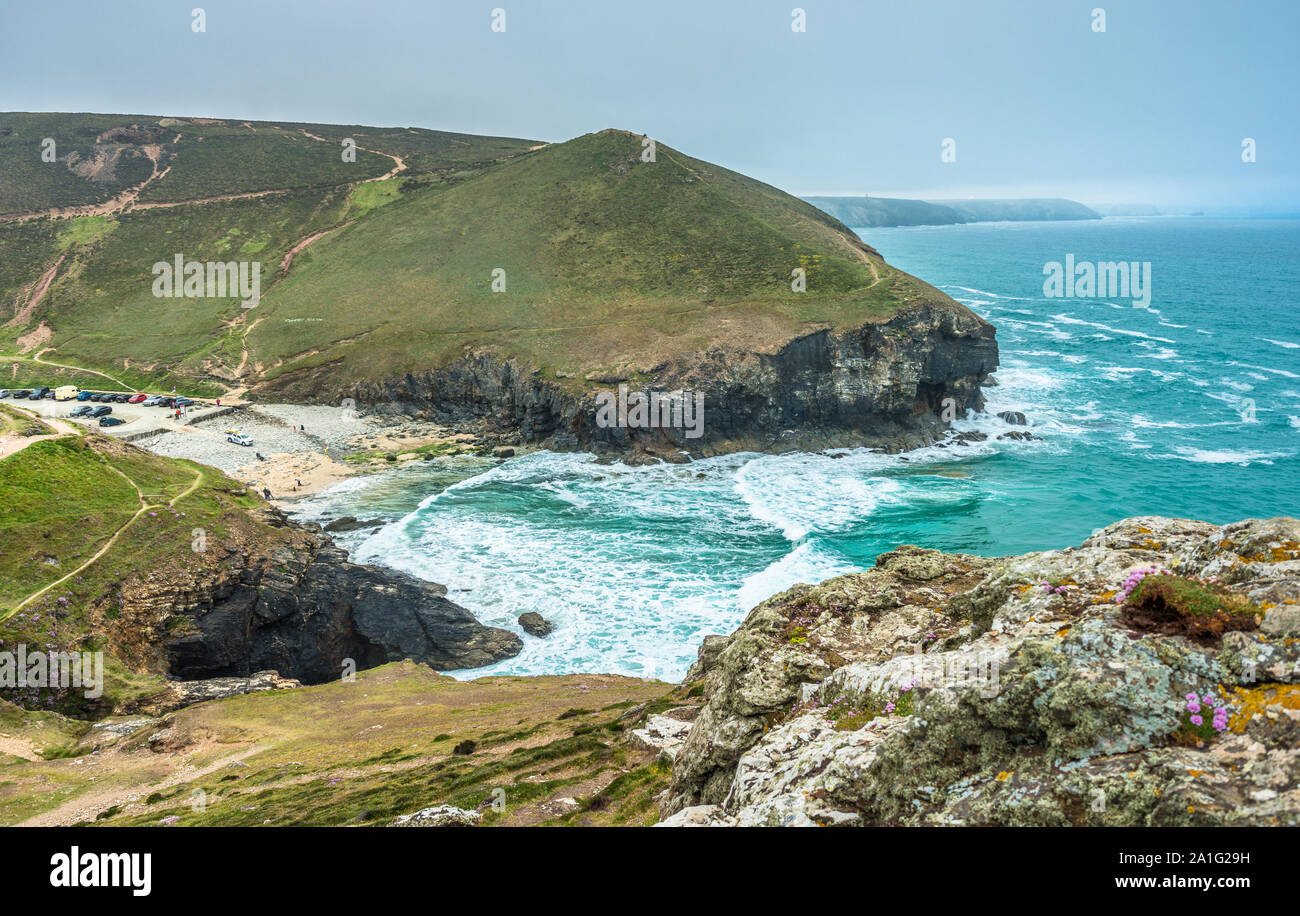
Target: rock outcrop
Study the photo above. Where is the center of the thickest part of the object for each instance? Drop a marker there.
(1046, 689)
(535, 624)
(294, 605)
(438, 816)
(876, 384)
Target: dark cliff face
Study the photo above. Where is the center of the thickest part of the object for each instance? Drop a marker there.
(300, 609)
(878, 384)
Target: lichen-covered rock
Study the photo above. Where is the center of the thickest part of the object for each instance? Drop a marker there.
(438, 816)
(947, 689)
(663, 734)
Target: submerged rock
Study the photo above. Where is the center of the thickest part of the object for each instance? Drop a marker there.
(949, 689)
(350, 523)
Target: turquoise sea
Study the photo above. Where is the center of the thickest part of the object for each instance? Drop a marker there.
(1189, 408)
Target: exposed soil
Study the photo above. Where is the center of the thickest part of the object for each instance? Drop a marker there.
(1155, 615)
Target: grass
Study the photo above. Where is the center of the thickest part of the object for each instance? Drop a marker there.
(611, 263)
(1176, 605)
(67, 498)
(101, 308)
(364, 752)
(608, 261)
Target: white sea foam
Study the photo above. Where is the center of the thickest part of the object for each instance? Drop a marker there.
(1225, 456)
(803, 564)
(1068, 319)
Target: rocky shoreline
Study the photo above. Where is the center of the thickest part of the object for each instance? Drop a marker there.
(298, 608)
(882, 384)
(1150, 676)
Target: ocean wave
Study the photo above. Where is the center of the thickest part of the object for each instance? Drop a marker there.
(1225, 456)
(1068, 319)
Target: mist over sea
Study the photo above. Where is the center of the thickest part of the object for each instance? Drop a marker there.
(1188, 408)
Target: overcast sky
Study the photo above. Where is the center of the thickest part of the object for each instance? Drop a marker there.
(1154, 109)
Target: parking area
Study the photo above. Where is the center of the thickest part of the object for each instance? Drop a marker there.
(136, 419)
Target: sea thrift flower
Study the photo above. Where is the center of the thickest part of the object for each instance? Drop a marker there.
(1197, 720)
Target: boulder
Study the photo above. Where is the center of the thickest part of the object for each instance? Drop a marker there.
(438, 816)
(535, 624)
(662, 734)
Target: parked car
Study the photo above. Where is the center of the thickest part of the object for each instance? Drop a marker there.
(111, 421)
(136, 398)
(168, 402)
(5, 392)
(21, 393)
(152, 401)
(81, 411)
(40, 392)
(84, 395)
(102, 410)
(184, 402)
(239, 439)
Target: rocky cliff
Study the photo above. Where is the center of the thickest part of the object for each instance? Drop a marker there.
(297, 607)
(1150, 676)
(880, 383)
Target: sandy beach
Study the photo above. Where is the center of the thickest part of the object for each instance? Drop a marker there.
(299, 450)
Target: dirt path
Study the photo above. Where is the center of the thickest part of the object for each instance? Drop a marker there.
(12, 445)
(38, 293)
(86, 808)
(398, 164)
(117, 204)
(18, 747)
(287, 261)
(45, 362)
(144, 507)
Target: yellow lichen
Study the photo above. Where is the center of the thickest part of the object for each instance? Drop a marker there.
(1253, 701)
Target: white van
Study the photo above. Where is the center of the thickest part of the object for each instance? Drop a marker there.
(66, 393)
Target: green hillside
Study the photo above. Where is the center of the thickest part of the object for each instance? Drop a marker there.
(610, 262)
(220, 191)
(68, 499)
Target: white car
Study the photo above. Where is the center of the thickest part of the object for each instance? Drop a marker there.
(239, 439)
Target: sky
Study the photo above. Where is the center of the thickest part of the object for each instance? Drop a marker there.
(1152, 110)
